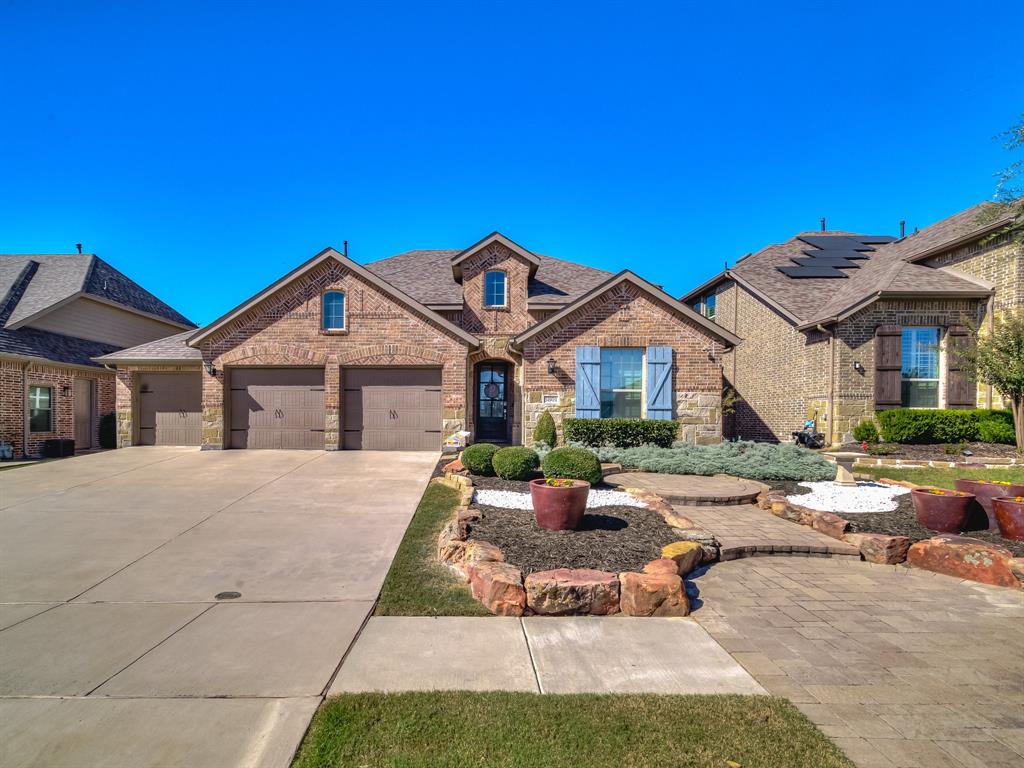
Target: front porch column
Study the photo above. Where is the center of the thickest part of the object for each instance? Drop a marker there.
(124, 407)
(332, 407)
(213, 410)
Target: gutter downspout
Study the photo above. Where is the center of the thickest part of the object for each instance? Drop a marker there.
(831, 381)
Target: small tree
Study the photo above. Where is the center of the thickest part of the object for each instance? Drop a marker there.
(545, 431)
(997, 359)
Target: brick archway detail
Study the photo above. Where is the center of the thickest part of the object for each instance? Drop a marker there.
(391, 354)
(273, 354)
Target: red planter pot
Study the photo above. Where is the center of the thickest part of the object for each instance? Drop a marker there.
(559, 508)
(948, 514)
(985, 491)
(1009, 517)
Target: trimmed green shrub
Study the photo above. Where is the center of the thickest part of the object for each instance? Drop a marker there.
(996, 431)
(545, 431)
(914, 425)
(477, 458)
(757, 461)
(108, 431)
(574, 463)
(621, 433)
(516, 463)
(866, 432)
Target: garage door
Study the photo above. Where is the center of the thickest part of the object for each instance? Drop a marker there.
(170, 409)
(277, 408)
(392, 409)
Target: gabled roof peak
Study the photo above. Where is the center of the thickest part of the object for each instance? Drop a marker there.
(494, 237)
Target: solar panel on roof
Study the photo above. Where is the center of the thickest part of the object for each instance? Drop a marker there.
(811, 272)
(824, 261)
(835, 242)
(840, 253)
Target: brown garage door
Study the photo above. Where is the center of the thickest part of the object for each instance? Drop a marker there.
(277, 408)
(392, 409)
(170, 409)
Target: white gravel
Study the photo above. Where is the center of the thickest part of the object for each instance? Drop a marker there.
(515, 500)
(826, 496)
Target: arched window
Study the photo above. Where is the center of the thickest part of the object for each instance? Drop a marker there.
(334, 311)
(495, 294)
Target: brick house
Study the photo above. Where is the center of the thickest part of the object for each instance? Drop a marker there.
(58, 312)
(405, 351)
(840, 325)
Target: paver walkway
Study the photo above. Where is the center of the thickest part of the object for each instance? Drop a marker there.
(689, 489)
(900, 667)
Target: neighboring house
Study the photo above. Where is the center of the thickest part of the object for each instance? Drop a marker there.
(58, 312)
(403, 352)
(840, 325)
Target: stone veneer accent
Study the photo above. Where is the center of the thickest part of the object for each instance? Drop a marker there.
(16, 376)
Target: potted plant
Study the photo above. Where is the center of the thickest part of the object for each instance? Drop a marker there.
(558, 503)
(1009, 511)
(986, 490)
(941, 509)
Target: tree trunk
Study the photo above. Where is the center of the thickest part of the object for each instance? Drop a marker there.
(1018, 422)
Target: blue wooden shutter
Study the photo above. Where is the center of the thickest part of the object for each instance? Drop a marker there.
(588, 382)
(659, 383)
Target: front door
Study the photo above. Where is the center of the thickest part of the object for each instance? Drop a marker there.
(492, 401)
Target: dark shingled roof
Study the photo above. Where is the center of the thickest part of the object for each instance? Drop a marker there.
(57, 277)
(427, 276)
(32, 342)
(168, 348)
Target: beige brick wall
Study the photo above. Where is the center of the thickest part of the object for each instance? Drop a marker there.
(624, 316)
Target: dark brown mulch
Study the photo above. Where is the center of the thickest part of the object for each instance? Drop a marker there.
(903, 522)
(497, 484)
(609, 539)
(937, 452)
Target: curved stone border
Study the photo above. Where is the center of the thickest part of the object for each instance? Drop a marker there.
(658, 590)
(705, 499)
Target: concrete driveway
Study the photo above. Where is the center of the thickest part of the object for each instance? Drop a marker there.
(114, 649)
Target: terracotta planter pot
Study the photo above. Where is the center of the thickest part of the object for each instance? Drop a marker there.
(1009, 516)
(559, 509)
(948, 514)
(985, 491)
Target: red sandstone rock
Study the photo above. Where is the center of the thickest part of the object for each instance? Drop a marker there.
(476, 552)
(573, 591)
(499, 586)
(454, 466)
(965, 558)
(829, 524)
(1017, 569)
(652, 594)
(679, 521)
(663, 565)
(879, 548)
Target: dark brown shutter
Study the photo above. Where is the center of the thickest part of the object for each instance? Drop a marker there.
(888, 366)
(960, 390)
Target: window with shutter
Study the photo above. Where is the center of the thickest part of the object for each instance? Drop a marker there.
(588, 382)
(961, 391)
(888, 366)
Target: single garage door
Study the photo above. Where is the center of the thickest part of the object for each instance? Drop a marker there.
(277, 408)
(392, 409)
(170, 409)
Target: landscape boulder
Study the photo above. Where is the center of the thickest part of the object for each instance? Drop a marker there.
(454, 466)
(499, 586)
(679, 521)
(706, 539)
(686, 554)
(879, 548)
(572, 591)
(965, 558)
(829, 524)
(652, 594)
(664, 566)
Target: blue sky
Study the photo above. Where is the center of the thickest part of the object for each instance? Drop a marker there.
(206, 149)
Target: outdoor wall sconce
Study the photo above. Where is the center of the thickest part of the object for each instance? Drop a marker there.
(858, 367)
(209, 368)
(551, 365)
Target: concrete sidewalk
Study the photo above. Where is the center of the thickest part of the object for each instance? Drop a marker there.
(567, 654)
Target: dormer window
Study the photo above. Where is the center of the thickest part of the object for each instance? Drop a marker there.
(495, 293)
(333, 315)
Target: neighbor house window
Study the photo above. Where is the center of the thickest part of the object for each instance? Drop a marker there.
(495, 294)
(40, 409)
(621, 383)
(705, 305)
(334, 311)
(920, 376)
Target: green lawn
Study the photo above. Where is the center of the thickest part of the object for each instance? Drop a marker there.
(943, 478)
(522, 730)
(417, 585)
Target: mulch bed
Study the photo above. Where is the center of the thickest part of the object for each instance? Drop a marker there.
(936, 452)
(902, 521)
(609, 538)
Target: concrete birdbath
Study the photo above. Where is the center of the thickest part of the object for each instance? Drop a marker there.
(844, 466)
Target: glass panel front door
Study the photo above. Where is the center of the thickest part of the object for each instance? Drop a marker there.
(492, 401)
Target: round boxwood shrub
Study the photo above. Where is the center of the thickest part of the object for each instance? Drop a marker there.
(478, 458)
(516, 463)
(572, 463)
(545, 431)
(866, 432)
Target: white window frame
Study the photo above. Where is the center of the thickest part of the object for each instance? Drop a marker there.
(504, 288)
(323, 312)
(642, 390)
(939, 360)
(49, 426)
